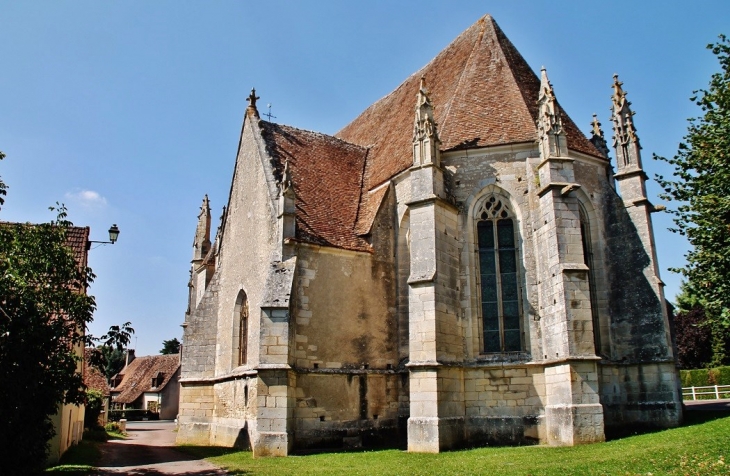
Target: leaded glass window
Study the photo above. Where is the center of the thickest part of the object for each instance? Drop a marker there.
(240, 330)
(585, 235)
(499, 277)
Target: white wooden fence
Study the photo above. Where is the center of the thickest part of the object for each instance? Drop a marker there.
(716, 392)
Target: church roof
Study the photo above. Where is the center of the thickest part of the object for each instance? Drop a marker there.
(327, 178)
(484, 94)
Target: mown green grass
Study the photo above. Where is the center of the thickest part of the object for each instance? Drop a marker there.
(79, 460)
(699, 448)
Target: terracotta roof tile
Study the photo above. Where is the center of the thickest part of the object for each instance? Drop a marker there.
(327, 177)
(137, 376)
(93, 378)
(77, 238)
(484, 94)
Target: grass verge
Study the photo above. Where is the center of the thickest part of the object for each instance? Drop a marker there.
(700, 447)
(79, 460)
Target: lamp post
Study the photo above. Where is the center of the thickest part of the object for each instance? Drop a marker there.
(113, 237)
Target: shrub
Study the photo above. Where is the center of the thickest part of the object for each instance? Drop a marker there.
(94, 405)
(95, 434)
(133, 415)
(113, 426)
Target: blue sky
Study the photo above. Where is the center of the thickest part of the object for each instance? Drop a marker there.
(129, 112)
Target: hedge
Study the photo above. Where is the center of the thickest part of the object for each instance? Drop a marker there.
(705, 377)
(133, 415)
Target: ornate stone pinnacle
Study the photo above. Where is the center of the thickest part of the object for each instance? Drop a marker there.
(619, 95)
(596, 126)
(597, 138)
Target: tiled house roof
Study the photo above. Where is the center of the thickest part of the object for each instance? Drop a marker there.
(327, 176)
(138, 375)
(77, 238)
(93, 378)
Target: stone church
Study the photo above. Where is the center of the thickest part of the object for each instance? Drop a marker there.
(459, 266)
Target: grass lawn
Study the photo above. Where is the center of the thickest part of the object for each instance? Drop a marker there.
(78, 460)
(701, 447)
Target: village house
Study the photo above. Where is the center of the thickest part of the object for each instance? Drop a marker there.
(148, 383)
(94, 379)
(68, 423)
(458, 266)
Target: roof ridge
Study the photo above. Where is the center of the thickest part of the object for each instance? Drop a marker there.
(317, 133)
(509, 61)
(467, 63)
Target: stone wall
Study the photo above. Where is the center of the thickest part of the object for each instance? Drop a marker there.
(504, 404)
(639, 397)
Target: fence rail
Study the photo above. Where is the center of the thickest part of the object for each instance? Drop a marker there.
(716, 392)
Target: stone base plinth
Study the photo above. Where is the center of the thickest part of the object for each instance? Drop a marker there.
(576, 424)
(432, 434)
(271, 444)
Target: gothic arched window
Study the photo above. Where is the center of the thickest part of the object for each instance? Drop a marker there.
(585, 235)
(240, 329)
(500, 281)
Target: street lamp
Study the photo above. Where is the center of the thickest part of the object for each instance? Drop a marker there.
(113, 237)
(113, 233)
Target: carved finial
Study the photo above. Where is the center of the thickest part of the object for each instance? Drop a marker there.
(252, 98)
(201, 242)
(619, 95)
(205, 207)
(549, 124)
(425, 133)
(597, 138)
(286, 180)
(625, 140)
(596, 126)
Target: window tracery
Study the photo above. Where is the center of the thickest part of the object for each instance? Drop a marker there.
(500, 280)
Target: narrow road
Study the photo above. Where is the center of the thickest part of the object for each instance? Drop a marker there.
(149, 450)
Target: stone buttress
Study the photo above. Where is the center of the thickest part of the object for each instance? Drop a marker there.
(573, 411)
(437, 410)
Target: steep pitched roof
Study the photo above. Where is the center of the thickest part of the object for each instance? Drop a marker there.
(326, 174)
(93, 378)
(77, 238)
(484, 94)
(137, 376)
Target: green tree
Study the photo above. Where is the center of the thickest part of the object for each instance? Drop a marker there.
(110, 357)
(701, 188)
(171, 346)
(44, 314)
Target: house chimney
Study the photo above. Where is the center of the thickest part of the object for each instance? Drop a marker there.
(130, 356)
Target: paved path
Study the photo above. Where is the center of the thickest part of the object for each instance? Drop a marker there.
(714, 405)
(149, 450)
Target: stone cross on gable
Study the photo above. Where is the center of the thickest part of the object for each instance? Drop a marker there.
(252, 98)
